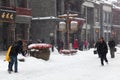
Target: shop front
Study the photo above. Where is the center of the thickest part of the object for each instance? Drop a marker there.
(7, 28)
(23, 23)
(116, 33)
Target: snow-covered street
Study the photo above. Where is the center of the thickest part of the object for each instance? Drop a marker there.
(82, 66)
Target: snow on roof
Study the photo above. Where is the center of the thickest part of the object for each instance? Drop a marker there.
(116, 7)
(103, 1)
(97, 2)
(109, 2)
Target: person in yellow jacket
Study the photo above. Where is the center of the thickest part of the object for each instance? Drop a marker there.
(12, 54)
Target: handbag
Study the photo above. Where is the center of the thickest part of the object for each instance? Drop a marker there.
(115, 49)
(95, 51)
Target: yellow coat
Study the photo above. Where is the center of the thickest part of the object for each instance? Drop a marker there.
(7, 57)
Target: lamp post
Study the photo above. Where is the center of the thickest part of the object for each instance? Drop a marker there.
(67, 17)
(86, 24)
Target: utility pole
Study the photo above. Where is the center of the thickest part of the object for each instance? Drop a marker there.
(86, 24)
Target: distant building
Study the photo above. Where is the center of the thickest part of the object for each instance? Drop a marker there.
(116, 24)
(98, 23)
(97, 17)
(43, 23)
(45, 19)
(88, 27)
(106, 20)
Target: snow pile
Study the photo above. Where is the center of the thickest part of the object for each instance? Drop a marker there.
(82, 66)
(66, 51)
(39, 46)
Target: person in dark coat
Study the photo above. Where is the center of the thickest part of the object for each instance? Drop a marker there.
(97, 46)
(111, 44)
(60, 45)
(16, 48)
(103, 50)
(53, 44)
(81, 45)
(86, 43)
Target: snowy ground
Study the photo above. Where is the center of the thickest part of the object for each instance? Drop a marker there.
(82, 66)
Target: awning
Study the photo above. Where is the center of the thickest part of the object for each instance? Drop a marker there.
(45, 18)
(8, 10)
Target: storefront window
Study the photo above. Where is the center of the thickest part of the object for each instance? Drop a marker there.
(21, 31)
(58, 7)
(73, 5)
(22, 3)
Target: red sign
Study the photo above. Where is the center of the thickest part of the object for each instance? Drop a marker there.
(23, 11)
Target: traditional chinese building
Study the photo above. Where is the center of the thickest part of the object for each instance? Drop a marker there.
(15, 18)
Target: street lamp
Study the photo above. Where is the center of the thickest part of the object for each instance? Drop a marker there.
(74, 25)
(67, 17)
(62, 26)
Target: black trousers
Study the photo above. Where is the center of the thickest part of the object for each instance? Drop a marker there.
(112, 52)
(103, 58)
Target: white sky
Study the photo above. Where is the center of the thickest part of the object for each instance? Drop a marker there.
(82, 66)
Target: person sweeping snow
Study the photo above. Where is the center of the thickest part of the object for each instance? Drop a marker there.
(11, 55)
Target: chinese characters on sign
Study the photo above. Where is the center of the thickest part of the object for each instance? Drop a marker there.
(7, 15)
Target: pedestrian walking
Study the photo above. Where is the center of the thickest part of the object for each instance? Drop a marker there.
(53, 44)
(60, 45)
(86, 43)
(75, 44)
(102, 50)
(111, 44)
(81, 45)
(97, 47)
(15, 49)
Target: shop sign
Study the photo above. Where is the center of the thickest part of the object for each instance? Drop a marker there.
(107, 8)
(7, 15)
